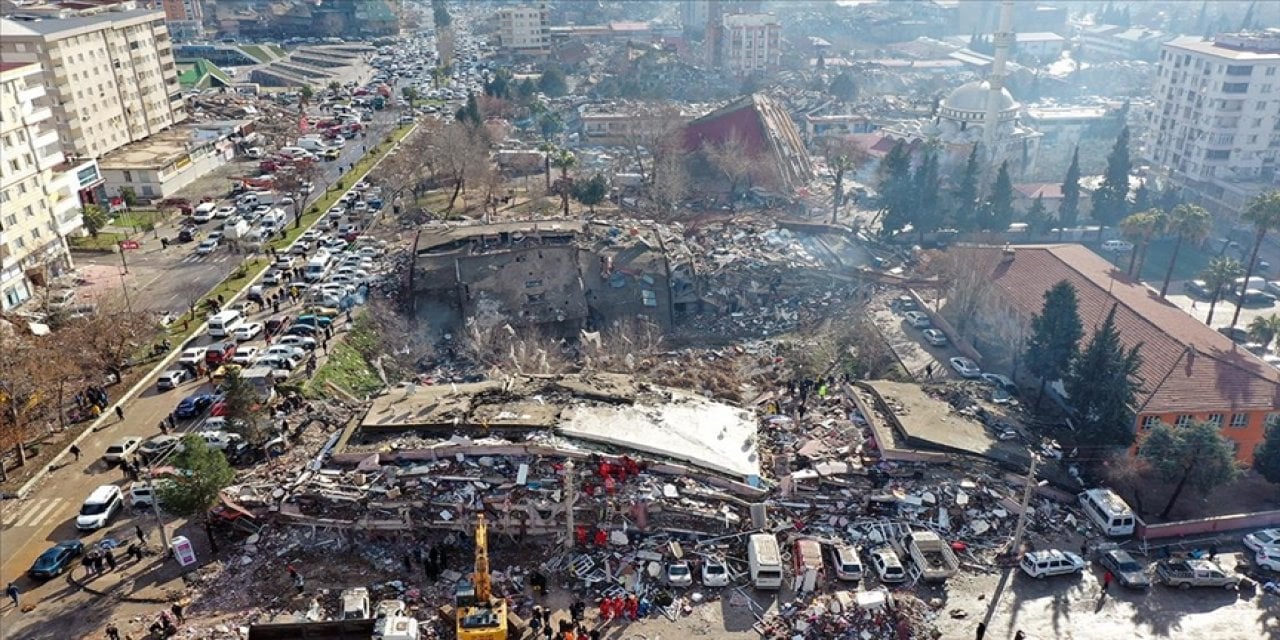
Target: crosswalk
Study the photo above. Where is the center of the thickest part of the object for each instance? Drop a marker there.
(30, 514)
(212, 257)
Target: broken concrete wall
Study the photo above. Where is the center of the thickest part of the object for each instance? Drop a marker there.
(522, 287)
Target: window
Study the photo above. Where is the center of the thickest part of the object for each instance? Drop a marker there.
(1235, 87)
(29, 211)
(1273, 420)
(649, 297)
(536, 297)
(11, 220)
(1150, 422)
(1215, 419)
(128, 176)
(530, 284)
(1183, 420)
(1239, 70)
(1239, 421)
(1217, 154)
(35, 234)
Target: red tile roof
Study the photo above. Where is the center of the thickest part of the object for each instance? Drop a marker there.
(9, 66)
(1187, 367)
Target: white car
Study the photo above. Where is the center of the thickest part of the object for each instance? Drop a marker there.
(171, 379)
(1269, 560)
(245, 355)
(121, 449)
(1264, 540)
(370, 252)
(225, 212)
(247, 331)
(1001, 381)
(917, 319)
(1050, 562)
(1117, 246)
(206, 247)
(298, 342)
(965, 367)
(714, 573)
(219, 440)
(679, 575)
(935, 337)
(193, 356)
(888, 565)
(277, 361)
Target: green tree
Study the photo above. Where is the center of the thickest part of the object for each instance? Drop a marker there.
(527, 88)
(129, 196)
(1038, 217)
(1196, 455)
(1069, 209)
(549, 151)
(1110, 201)
(966, 196)
(1219, 277)
(500, 85)
(410, 95)
(244, 410)
(95, 218)
(1264, 329)
(1266, 457)
(1169, 199)
(1055, 336)
(1102, 386)
(564, 160)
(334, 87)
(1187, 223)
(1139, 228)
(895, 188)
(549, 124)
(843, 87)
(553, 82)
(469, 113)
(999, 210)
(926, 209)
(591, 192)
(440, 16)
(1142, 198)
(306, 93)
(1263, 213)
(206, 473)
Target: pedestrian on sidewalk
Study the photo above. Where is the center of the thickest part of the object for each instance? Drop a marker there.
(110, 557)
(142, 536)
(99, 564)
(120, 413)
(177, 610)
(1106, 581)
(75, 451)
(112, 632)
(12, 592)
(982, 631)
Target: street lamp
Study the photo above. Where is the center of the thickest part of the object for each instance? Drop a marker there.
(155, 506)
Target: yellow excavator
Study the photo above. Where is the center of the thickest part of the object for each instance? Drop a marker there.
(480, 616)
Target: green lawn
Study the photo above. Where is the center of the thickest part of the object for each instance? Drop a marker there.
(347, 370)
(137, 219)
(104, 241)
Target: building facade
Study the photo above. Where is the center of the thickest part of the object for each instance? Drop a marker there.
(1213, 130)
(525, 29)
(111, 78)
(185, 18)
(38, 203)
(1111, 42)
(752, 43)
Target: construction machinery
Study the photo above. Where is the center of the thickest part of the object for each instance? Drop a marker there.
(479, 615)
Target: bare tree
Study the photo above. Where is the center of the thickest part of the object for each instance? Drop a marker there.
(731, 159)
(503, 348)
(966, 274)
(670, 184)
(461, 154)
(26, 365)
(106, 339)
(625, 345)
(842, 156)
(654, 134)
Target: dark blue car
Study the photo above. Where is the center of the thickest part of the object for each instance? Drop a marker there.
(53, 562)
(194, 404)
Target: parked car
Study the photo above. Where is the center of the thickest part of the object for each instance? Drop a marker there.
(247, 331)
(678, 574)
(192, 405)
(714, 573)
(55, 560)
(917, 319)
(1185, 574)
(171, 379)
(1258, 297)
(846, 560)
(158, 446)
(301, 342)
(121, 449)
(312, 319)
(1197, 288)
(1117, 246)
(1269, 560)
(220, 353)
(935, 337)
(245, 355)
(887, 564)
(1126, 570)
(1050, 562)
(965, 367)
(1235, 334)
(193, 356)
(999, 381)
(1263, 540)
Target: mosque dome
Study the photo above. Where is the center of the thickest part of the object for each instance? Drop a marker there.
(969, 102)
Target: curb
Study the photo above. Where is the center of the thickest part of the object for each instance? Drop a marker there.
(147, 379)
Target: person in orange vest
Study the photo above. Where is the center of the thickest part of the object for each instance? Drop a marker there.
(633, 607)
(606, 609)
(580, 532)
(602, 538)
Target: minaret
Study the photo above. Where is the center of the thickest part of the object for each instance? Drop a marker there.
(1003, 40)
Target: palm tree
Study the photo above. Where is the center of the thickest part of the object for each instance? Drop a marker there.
(1219, 277)
(548, 151)
(1139, 228)
(1263, 213)
(1186, 222)
(564, 160)
(1264, 329)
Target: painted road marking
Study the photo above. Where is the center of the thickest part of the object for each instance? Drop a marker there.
(34, 514)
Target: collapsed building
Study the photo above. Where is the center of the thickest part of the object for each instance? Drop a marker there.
(767, 134)
(564, 274)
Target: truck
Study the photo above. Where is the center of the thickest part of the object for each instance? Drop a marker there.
(1187, 573)
(314, 145)
(237, 231)
(930, 555)
(355, 604)
(765, 561)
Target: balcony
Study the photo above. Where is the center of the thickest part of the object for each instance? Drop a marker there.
(37, 115)
(31, 94)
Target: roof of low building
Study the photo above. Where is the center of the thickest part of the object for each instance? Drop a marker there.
(1187, 367)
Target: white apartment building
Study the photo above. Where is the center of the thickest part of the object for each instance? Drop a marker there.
(1214, 129)
(525, 29)
(111, 77)
(184, 17)
(752, 42)
(38, 204)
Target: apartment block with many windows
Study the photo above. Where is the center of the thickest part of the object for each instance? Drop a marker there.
(184, 17)
(525, 29)
(752, 43)
(1214, 130)
(111, 77)
(38, 203)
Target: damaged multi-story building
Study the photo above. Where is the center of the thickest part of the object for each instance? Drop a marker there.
(562, 275)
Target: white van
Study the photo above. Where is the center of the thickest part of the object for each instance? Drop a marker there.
(204, 212)
(98, 509)
(765, 561)
(224, 322)
(1109, 511)
(317, 266)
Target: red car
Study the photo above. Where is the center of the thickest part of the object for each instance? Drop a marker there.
(220, 353)
(219, 409)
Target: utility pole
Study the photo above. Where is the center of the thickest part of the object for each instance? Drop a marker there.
(155, 506)
(569, 498)
(1026, 505)
(123, 263)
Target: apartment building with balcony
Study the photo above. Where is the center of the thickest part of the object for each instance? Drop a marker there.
(111, 78)
(525, 29)
(38, 202)
(751, 42)
(1214, 130)
(184, 17)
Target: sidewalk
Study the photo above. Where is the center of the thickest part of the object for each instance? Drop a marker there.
(151, 580)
